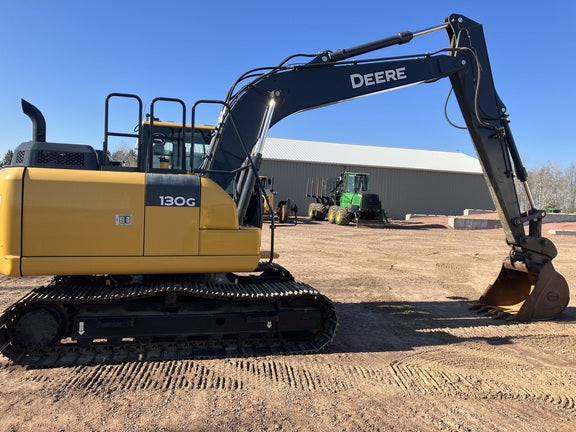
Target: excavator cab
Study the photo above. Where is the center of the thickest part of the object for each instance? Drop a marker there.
(162, 146)
(164, 138)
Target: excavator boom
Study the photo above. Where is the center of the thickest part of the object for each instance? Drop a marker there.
(330, 77)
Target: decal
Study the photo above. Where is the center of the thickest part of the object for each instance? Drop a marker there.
(123, 219)
(172, 190)
(380, 77)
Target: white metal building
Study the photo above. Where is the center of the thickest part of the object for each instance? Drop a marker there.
(407, 180)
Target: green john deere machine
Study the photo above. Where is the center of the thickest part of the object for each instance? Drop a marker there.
(344, 199)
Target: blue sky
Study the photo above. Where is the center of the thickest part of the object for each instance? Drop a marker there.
(65, 56)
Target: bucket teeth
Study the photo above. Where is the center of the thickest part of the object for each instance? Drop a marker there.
(498, 314)
(490, 311)
(480, 308)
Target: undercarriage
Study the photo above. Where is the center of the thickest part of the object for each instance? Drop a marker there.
(97, 319)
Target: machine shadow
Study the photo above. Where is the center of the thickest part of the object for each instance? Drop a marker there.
(404, 326)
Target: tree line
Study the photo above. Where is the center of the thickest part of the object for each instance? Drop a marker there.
(552, 187)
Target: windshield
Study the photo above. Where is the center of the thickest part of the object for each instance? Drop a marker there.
(167, 150)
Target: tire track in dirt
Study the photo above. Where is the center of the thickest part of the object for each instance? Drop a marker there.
(472, 373)
(447, 413)
(203, 375)
(543, 343)
(309, 376)
(562, 346)
(104, 379)
(465, 373)
(462, 370)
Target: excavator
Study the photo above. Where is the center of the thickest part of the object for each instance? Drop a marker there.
(164, 262)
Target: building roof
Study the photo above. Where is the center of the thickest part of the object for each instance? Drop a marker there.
(364, 155)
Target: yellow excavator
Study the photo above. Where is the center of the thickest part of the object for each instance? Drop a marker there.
(273, 208)
(163, 260)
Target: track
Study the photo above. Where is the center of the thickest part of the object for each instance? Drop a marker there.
(251, 315)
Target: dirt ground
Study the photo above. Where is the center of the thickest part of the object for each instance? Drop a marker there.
(408, 355)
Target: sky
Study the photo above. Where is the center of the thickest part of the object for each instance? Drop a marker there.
(66, 56)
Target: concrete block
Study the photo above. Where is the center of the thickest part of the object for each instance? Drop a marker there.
(412, 215)
(457, 222)
(469, 212)
(420, 215)
(559, 217)
(562, 232)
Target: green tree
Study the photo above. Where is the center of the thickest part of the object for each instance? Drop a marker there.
(7, 158)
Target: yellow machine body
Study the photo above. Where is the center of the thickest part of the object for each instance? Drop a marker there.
(78, 222)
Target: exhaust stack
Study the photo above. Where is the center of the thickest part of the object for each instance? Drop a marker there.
(38, 122)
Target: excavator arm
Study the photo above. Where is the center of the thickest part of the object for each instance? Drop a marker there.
(528, 287)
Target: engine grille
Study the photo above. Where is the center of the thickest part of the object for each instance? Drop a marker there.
(60, 158)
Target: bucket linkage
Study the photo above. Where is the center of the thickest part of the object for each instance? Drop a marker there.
(528, 287)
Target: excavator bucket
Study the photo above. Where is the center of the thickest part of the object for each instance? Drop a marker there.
(522, 295)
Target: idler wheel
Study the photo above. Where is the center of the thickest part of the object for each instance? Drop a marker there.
(39, 326)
